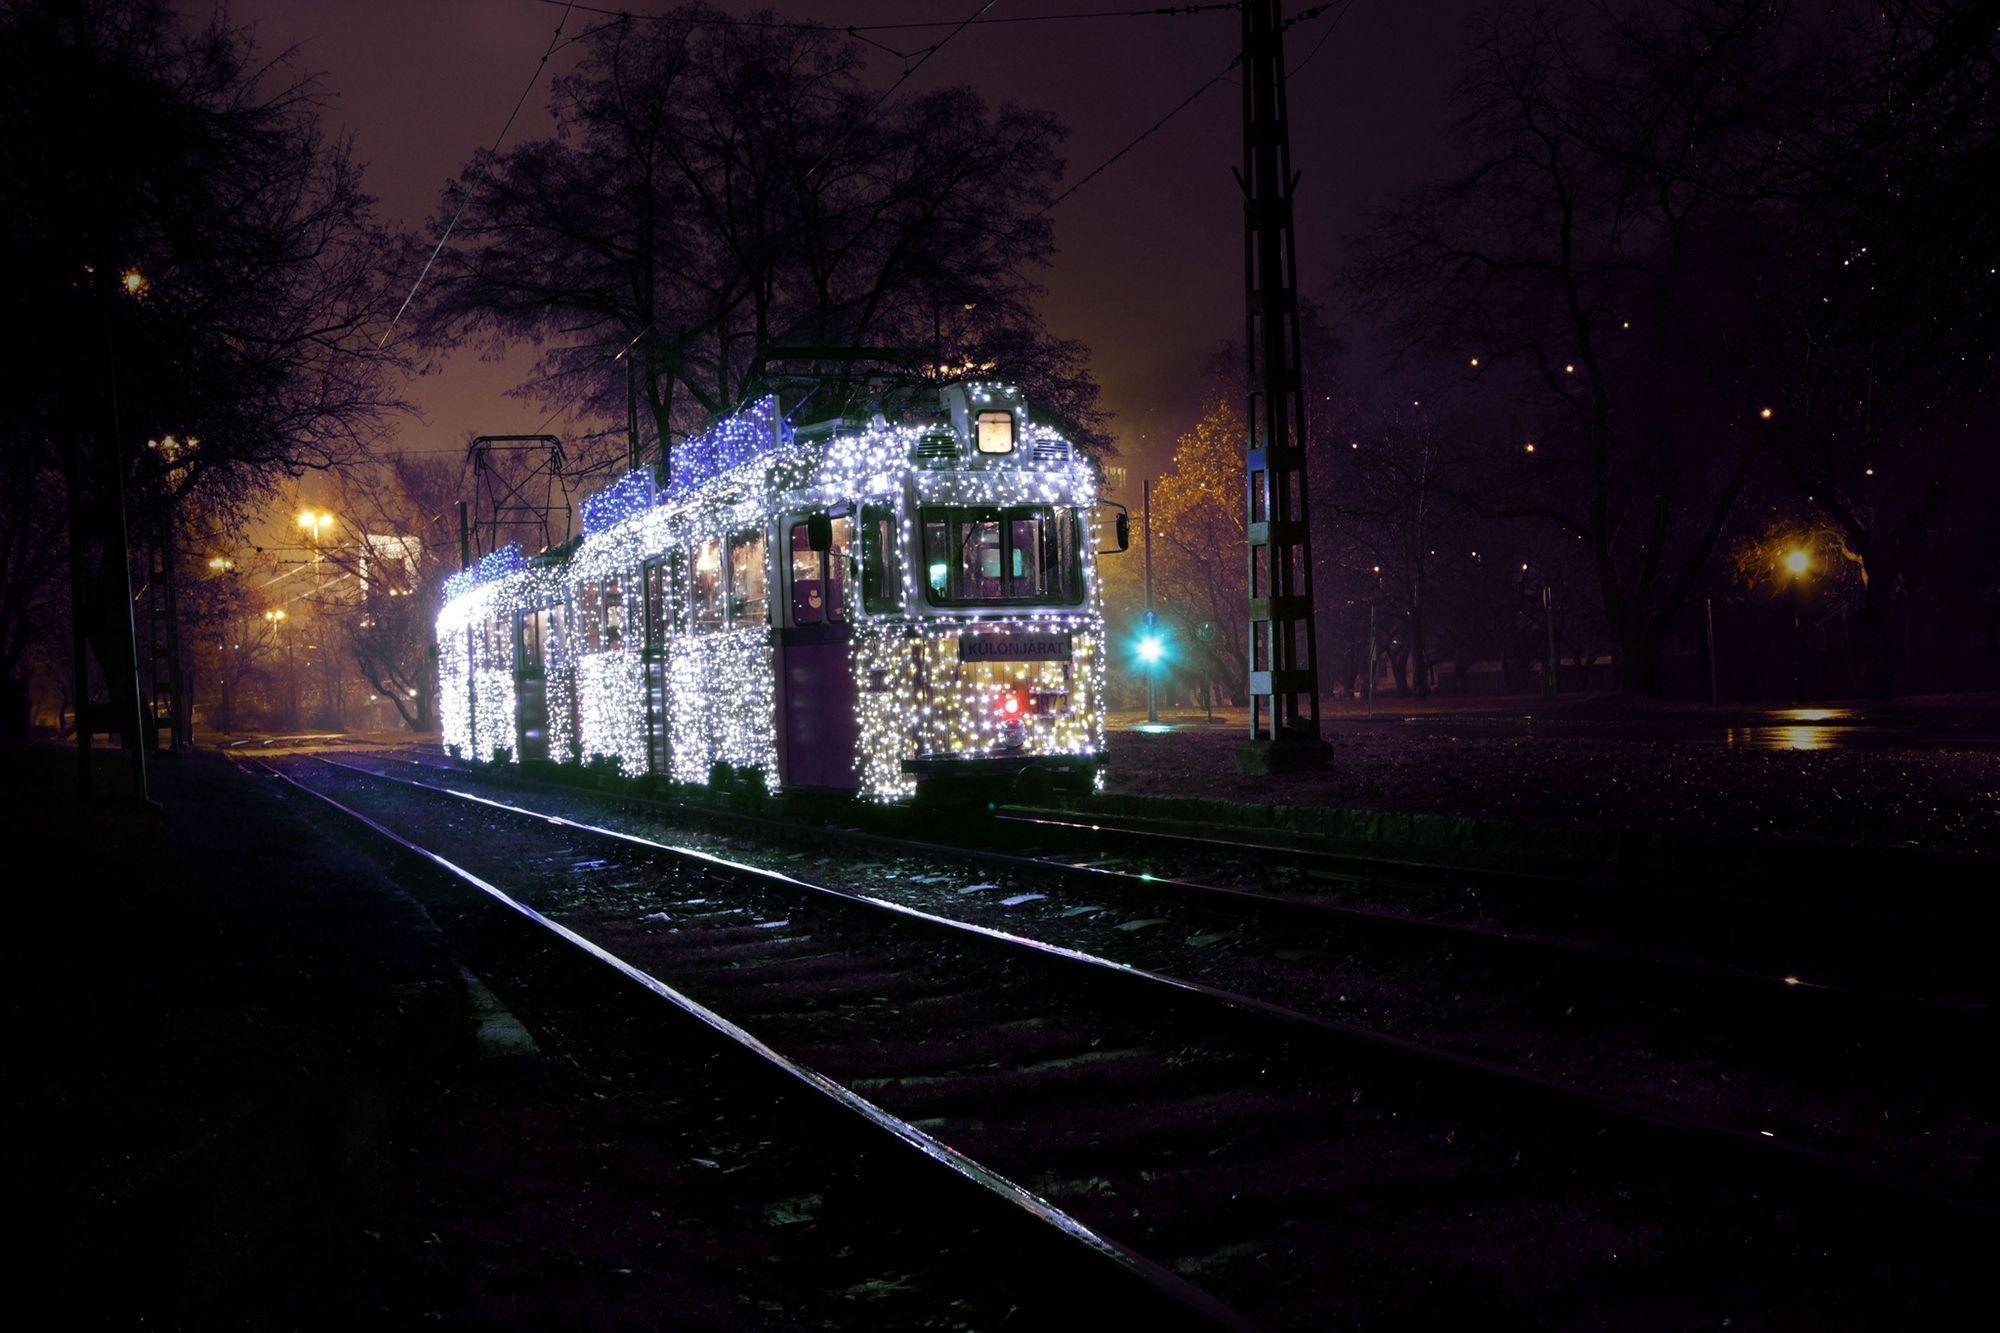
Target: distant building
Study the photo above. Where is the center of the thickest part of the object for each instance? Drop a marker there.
(390, 559)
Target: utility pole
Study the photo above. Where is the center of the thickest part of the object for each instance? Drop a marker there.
(1549, 620)
(1372, 650)
(1152, 618)
(1708, 624)
(1283, 648)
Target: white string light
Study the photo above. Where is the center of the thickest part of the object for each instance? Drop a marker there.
(916, 698)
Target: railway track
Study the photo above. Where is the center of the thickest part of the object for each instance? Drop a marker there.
(1541, 925)
(1304, 1169)
(586, 993)
(1850, 938)
(1880, 1078)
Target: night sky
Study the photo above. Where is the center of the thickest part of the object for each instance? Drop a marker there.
(1149, 270)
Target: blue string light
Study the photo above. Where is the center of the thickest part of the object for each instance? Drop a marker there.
(628, 497)
(756, 431)
(491, 566)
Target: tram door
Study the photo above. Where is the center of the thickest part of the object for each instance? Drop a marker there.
(817, 729)
(663, 575)
(531, 700)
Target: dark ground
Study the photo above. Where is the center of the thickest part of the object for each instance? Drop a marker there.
(249, 1095)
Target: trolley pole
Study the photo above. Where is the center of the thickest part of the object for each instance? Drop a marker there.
(1283, 647)
(1152, 694)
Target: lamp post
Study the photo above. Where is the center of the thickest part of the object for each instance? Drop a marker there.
(225, 664)
(1549, 625)
(1149, 645)
(1373, 658)
(276, 620)
(1797, 564)
(315, 522)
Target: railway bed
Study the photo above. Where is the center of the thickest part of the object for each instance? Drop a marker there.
(1884, 1080)
(909, 1234)
(1303, 1169)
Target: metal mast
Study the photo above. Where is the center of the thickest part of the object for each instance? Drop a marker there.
(1283, 654)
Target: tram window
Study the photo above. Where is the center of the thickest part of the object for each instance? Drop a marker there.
(975, 557)
(533, 626)
(836, 567)
(996, 432)
(614, 611)
(708, 585)
(746, 579)
(819, 582)
(808, 600)
(879, 563)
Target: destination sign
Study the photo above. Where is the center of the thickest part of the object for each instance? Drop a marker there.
(1014, 647)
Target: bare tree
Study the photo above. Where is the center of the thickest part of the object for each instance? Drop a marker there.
(203, 275)
(1580, 289)
(715, 190)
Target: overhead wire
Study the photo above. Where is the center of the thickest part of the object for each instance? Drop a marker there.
(1294, 70)
(904, 78)
(1182, 105)
(485, 164)
(855, 29)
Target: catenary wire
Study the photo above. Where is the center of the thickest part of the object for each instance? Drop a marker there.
(485, 164)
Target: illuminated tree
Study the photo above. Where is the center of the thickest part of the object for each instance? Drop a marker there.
(1198, 545)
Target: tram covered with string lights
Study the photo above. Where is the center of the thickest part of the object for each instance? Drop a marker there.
(848, 605)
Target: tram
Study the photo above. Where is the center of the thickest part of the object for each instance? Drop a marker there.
(847, 605)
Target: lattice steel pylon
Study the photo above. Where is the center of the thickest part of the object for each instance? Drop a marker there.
(1283, 652)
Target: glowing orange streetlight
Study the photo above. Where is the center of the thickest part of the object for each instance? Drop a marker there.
(133, 281)
(1797, 563)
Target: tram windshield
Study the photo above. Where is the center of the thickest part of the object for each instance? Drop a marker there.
(977, 556)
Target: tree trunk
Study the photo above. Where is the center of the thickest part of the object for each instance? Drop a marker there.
(1641, 651)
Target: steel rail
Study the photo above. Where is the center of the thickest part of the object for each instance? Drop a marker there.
(1761, 986)
(1762, 1149)
(1356, 864)
(1177, 1290)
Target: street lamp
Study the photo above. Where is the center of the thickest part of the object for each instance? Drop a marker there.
(315, 522)
(276, 620)
(1798, 562)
